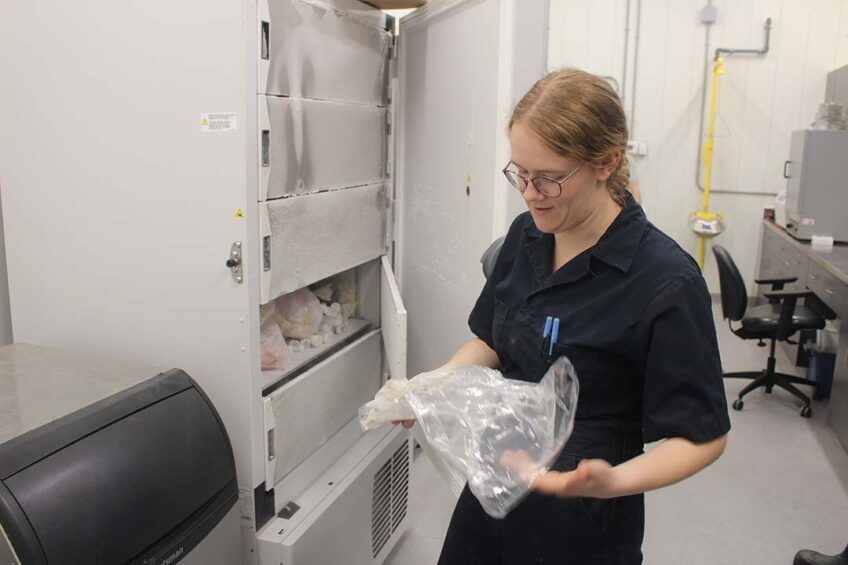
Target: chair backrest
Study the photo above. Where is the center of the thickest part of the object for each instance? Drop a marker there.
(734, 295)
(490, 256)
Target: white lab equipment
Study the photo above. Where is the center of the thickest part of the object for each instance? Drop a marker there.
(169, 168)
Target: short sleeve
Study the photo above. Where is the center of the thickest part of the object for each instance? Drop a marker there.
(683, 394)
(480, 321)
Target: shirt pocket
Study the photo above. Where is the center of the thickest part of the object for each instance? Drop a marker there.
(597, 371)
(499, 321)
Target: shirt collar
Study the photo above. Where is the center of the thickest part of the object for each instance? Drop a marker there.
(616, 247)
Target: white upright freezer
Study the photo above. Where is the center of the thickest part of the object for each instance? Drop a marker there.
(170, 171)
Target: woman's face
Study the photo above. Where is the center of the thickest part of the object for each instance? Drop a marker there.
(582, 194)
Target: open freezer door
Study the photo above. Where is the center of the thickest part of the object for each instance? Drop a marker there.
(393, 321)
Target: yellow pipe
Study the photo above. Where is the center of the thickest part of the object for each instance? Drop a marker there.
(718, 69)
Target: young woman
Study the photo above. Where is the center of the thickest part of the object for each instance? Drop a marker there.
(635, 320)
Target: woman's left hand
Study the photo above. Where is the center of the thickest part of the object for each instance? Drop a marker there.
(593, 478)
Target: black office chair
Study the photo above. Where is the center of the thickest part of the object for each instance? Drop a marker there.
(490, 256)
(810, 557)
(775, 321)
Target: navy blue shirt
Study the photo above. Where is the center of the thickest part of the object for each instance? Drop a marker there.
(635, 320)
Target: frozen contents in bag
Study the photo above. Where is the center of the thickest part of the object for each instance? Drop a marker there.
(299, 314)
(273, 347)
(345, 294)
(502, 433)
(324, 293)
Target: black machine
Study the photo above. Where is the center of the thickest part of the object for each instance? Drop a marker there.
(139, 477)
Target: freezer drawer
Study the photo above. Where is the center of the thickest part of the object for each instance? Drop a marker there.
(310, 146)
(308, 238)
(829, 289)
(301, 441)
(313, 407)
(327, 49)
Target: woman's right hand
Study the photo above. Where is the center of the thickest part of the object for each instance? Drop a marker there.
(406, 423)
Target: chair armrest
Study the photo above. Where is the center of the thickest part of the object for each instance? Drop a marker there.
(776, 280)
(787, 299)
(781, 294)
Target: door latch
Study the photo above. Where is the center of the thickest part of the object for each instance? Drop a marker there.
(234, 262)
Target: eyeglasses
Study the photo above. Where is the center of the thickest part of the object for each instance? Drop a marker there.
(545, 185)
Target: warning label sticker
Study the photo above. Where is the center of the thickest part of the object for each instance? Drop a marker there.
(218, 121)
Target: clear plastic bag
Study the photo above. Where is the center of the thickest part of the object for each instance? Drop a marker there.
(501, 433)
(273, 347)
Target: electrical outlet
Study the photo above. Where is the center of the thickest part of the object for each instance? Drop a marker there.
(639, 148)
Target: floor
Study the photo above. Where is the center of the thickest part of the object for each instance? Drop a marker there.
(782, 485)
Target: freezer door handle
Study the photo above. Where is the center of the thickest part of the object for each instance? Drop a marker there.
(234, 262)
(266, 148)
(266, 37)
(270, 443)
(786, 169)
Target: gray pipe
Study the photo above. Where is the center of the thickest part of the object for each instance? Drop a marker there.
(635, 67)
(762, 51)
(626, 45)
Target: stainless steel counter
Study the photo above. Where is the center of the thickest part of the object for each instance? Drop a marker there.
(40, 384)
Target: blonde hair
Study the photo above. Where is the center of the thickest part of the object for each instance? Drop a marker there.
(578, 115)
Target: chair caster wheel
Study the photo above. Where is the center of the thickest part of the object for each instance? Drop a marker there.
(806, 411)
(738, 404)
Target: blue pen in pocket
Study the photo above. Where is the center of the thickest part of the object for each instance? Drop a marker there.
(554, 336)
(546, 332)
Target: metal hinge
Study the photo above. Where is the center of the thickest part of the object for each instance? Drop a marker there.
(393, 47)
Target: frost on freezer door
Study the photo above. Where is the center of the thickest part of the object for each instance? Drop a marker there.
(317, 235)
(320, 51)
(318, 145)
(311, 322)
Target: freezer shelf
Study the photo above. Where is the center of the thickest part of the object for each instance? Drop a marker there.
(310, 146)
(305, 413)
(318, 320)
(327, 49)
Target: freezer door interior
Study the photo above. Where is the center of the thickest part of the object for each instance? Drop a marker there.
(393, 321)
(317, 145)
(308, 238)
(323, 49)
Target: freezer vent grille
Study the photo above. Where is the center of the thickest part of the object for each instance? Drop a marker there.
(400, 484)
(390, 497)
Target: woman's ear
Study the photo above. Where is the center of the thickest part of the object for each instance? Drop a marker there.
(608, 166)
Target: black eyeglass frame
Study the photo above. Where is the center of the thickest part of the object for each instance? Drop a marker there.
(522, 186)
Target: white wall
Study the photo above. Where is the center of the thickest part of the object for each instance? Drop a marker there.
(529, 64)
(762, 99)
(5, 319)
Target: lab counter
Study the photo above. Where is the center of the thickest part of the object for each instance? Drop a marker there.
(826, 274)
